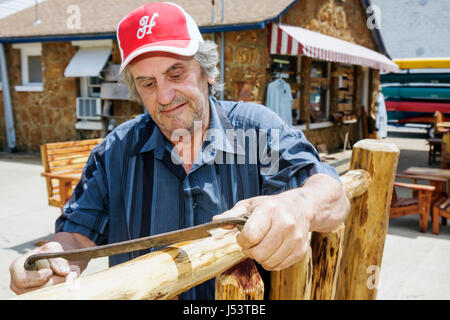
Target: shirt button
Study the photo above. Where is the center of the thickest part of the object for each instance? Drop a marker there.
(194, 205)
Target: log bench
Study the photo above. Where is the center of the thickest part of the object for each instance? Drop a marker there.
(63, 163)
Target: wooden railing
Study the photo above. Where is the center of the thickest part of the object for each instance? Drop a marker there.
(343, 264)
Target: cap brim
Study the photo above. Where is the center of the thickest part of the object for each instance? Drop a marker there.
(179, 47)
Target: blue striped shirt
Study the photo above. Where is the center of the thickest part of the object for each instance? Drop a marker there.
(131, 186)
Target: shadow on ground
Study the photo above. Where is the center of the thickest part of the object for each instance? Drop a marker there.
(408, 135)
(26, 246)
(409, 227)
(30, 158)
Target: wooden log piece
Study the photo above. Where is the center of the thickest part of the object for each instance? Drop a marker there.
(165, 274)
(240, 282)
(298, 282)
(293, 283)
(158, 275)
(326, 260)
(367, 222)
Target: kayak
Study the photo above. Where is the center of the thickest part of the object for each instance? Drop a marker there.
(417, 106)
(409, 92)
(415, 78)
(401, 112)
(423, 63)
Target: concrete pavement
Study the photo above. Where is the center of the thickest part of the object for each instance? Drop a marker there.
(415, 265)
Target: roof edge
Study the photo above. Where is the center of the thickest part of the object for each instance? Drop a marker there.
(112, 35)
(375, 32)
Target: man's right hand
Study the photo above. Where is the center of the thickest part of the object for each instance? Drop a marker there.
(23, 280)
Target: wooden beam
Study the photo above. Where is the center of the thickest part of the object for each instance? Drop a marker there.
(367, 222)
(159, 275)
(305, 89)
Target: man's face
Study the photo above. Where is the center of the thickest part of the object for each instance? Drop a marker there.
(173, 89)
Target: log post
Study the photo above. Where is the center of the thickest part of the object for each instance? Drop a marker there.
(327, 254)
(293, 283)
(301, 281)
(240, 282)
(367, 223)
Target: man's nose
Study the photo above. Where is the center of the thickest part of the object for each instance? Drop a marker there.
(166, 93)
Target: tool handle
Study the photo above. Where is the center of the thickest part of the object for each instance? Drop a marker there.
(37, 265)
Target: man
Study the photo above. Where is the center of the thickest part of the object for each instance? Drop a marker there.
(190, 159)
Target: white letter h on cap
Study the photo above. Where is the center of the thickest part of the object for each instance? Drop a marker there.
(146, 28)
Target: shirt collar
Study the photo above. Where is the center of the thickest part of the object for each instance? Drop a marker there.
(220, 135)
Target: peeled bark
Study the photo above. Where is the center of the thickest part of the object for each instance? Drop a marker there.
(158, 275)
(240, 282)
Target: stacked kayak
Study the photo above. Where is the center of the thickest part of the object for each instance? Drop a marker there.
(415, 97)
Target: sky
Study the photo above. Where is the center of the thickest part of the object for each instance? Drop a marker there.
(415, 28)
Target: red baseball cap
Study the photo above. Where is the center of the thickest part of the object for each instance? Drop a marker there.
(162, 26)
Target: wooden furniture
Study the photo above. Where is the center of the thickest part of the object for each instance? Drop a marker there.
(435, 147)
(437, 182)
(430, 173)
(441, 209)
(445, 150)
(365, 126)
(63, 163)
(420, 204)
(438, 123)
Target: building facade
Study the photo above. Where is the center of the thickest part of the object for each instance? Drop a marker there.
(46, 103)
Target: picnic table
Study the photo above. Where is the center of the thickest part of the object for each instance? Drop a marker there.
(429, 172)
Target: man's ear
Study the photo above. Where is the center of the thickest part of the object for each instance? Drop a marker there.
(211, 81)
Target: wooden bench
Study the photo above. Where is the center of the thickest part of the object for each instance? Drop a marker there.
(63, 163)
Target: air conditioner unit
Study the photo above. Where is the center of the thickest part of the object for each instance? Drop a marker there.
(89, 108)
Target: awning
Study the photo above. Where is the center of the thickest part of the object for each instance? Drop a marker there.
(88, 62)
(290, 40)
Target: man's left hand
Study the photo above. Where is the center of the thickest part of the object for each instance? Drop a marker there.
(276, 234)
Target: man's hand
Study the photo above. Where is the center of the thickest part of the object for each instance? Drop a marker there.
(23, 280)
(276, 234)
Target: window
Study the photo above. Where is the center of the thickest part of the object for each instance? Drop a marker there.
(31, 66)
(319, 94)
(94, 85)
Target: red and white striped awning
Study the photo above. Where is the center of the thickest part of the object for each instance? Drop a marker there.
(290, 40)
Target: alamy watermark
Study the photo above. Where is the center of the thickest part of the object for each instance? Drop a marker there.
(374, 19)
(374, 278)
(260, 147)
(73, 21)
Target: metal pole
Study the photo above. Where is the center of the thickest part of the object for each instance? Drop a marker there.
(212, 12)
(222, 54)
(9, 118)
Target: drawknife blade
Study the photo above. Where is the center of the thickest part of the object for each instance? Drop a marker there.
(159, 240)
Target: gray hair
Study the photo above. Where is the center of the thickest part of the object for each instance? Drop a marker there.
(206, 56)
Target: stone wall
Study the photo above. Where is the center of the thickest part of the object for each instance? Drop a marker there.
(337, 18)
(48, 116)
